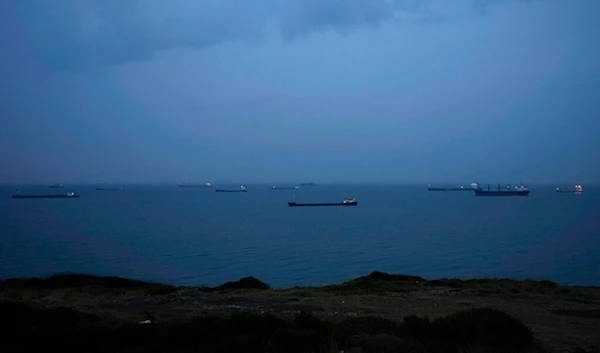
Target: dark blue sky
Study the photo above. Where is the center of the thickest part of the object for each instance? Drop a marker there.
(326, 90)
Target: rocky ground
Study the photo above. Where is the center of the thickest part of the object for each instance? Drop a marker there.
(562, 319)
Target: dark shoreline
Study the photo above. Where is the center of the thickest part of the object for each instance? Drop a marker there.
(378, 312)
(75, 279)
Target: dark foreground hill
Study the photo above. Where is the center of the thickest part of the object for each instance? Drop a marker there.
(375, 313)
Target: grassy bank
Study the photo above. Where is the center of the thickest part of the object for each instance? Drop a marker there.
(375, 313)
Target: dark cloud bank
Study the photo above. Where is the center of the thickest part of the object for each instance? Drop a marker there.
(76, 35)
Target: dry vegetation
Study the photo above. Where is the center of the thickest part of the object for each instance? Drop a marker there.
(375, 313)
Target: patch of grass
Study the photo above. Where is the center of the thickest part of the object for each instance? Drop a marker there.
(349, 331)
(444, 282)
(491, 330)
(502, 285)
(579, 313)
(302, 293)
(381, 343)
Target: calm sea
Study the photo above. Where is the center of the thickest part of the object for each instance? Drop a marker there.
(200, 237)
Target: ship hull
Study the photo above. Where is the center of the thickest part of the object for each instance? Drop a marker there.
(569, 192)
(448, 189)
(221, 190)
(45, 196)
(501, 193)
(294, 204)
(195, 186)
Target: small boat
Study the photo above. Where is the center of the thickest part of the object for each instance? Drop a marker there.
(47, 196)
(521, 190)
(55, 186)
(348, 201)
(576, 190)
(242, 188)
(284, 187)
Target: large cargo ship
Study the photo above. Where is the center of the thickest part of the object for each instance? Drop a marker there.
(284, 187)
(47, 196)
(462, 188)
(521, 190)
(242, 188)
(195, 185)
(348, 201)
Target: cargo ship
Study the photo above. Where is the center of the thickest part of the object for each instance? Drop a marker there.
(242, 188)
(109, 189)
(47, 196)
(55, 186)
(348, 201)
(462, 188)
(576, 190)
(193, 185)
(284, 187)
(521, 190)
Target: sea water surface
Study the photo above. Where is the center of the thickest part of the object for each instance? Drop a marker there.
(200, 237)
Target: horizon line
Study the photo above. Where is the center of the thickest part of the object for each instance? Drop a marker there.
(444, 183)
